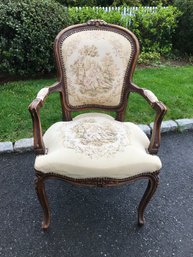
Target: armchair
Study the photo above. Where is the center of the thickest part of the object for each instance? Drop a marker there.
(95, 63)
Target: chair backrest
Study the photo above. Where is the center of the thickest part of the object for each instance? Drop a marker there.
(95, 62)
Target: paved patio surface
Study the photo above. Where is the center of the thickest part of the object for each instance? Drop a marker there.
(99, 222)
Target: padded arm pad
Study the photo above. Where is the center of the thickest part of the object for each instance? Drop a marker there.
(150, 95)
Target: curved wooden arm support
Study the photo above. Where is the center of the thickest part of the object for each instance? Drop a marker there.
(34, 109)
(160, 109)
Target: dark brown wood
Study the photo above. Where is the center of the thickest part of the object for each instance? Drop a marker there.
(153, 181)
(40, 190)
(34, 109)
(128, 87)
(66, 115)
(39, 147)
(149, 192)
(160, 109)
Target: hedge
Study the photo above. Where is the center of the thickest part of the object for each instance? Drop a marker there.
(154, 30)
(86, 13)
(183, 40)
(27, 32)
(28, 29)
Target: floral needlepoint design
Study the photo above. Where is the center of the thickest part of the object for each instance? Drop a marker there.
(94, 76)
(96, 138)
(89, 51)
(95, 66)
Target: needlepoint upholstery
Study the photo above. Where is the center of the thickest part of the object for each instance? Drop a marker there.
(95, 64)
(96, 145)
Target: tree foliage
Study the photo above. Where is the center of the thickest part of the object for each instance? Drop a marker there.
(115, 2)
(183, 40)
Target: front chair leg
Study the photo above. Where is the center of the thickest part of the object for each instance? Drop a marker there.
(40, 190)
(149, 192)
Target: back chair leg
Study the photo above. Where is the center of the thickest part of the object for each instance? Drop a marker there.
(40, 190)
(149, 192)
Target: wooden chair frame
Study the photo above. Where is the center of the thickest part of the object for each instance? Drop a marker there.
(129, 87)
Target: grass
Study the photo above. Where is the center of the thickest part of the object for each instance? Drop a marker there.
(172, 85)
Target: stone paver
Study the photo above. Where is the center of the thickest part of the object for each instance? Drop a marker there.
(185, 124)
(23, 145)
(146, 129)
(6, 147)
(167, 126)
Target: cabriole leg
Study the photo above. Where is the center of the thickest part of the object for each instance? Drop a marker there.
(40, 190)
(149, 192)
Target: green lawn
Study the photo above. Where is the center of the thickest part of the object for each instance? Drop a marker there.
(172, 85)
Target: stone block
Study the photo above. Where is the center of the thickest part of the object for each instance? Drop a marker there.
(23, 145)
(167, 126)
(185, 124)
(146, 129)
(6, 147)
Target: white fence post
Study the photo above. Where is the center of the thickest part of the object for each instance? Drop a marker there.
(126, 11)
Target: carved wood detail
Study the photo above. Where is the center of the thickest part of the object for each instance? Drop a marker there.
(153, 181)
(96, 22)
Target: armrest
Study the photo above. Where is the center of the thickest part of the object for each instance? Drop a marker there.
(160, 109)
(34, 109)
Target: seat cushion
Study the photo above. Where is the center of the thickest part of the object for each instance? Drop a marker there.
(96, 145)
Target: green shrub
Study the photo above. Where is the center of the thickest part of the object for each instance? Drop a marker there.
(154, 30)
(87, 13)
(113, 17)
(87, 2)
(183, 40)
(84, 14)
(149, 58)
(115, 2)
(156, 2)
(27, 32)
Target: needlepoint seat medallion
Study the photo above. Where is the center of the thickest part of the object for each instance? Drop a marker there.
(96, 146)
(95, 63)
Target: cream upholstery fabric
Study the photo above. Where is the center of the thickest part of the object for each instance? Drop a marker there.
(95, 145)
(95, 65)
